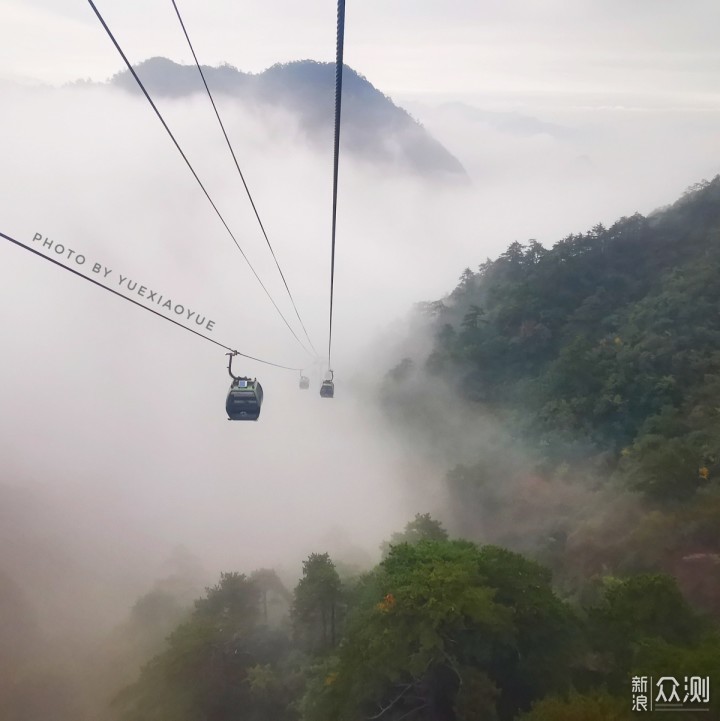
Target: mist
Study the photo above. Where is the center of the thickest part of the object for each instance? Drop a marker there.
(114, 422)
(114, 437)
(549, 164)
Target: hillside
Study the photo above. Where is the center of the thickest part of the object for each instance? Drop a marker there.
(598, 364)
(374, 128)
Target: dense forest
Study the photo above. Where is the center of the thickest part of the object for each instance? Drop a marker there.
(439, 630)
(573, 395)
(597, 366)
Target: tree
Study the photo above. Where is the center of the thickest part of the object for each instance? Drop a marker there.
(422, 528)
(315, 604)
(472, 318)
(514, 255)
(633, 611)
(665, 468)
(466, 281)
(534, 252)
(233, 600)
(441, 616)
(269, 584)
(210, 668)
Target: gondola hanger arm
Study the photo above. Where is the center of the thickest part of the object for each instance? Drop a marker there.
(230, 357)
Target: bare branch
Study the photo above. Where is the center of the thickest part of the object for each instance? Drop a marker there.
(411, 685)
(392, 703)
(451, 663)
(413, 710)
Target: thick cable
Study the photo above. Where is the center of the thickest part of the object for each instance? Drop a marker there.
(141, 305)
(336, 155)
(192, 170)
(242, 177)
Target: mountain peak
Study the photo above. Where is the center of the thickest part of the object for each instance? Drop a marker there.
(374, 128)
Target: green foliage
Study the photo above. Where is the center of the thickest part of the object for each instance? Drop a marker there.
(441, 616)
(315, 606)
(422, 528)
(584, 348)
(217, 662)
(646, 605)
(152, 618)
(655, 656)
(476, 699)
(597, 364)
(440, 629)
(633, 611)
(598, 707)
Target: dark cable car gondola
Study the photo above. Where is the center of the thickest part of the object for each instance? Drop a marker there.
(327, 389)
(244, 398)
(304, 382)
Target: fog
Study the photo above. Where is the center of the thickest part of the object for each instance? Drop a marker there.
(549, 164)
(115, 419)
(115, 444)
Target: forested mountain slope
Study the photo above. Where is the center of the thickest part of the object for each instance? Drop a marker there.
(599, 360)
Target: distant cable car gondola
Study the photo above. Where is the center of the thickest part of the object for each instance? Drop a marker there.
(244, 398)
(327, 389)
(304, 382)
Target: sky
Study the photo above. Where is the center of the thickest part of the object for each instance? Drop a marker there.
(662, 50)
(621, 87)
(565, 113)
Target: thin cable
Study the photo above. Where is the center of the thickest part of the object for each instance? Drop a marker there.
(242, 177)
(336, 159)
(141, 305)
(192, 170)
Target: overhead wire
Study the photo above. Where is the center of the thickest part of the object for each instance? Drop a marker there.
(142, 305)
(192, 170)
(336, 155)
(242, 177)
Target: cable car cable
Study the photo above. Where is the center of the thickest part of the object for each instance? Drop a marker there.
(192, 170)
(336, 154)
(141, 305)
(242, 177)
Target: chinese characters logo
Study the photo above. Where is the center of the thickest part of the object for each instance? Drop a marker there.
(668, 693)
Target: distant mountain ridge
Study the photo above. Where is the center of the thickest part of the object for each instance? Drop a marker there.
(373, 127)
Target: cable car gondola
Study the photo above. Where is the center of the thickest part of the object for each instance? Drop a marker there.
(244, 398)
(304, 382)
(327, 389)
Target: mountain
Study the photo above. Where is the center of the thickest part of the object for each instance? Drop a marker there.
(373, 127)
(595, 365)
(597, 338)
